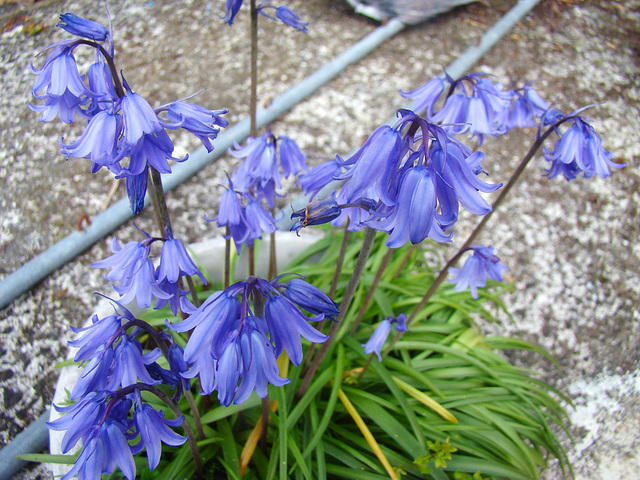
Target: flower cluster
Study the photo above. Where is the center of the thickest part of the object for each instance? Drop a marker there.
(232, 342)
(477, 106)
(479, 267)
(124, 133)
(255, 181)
(131, 266)
(380, 334)
(283, 14)
(109, 386)
(407, 180)
(579, 149)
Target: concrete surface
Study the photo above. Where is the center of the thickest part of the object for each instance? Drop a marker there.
(571, 247)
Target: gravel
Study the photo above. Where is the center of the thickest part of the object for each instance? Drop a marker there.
(571, 247)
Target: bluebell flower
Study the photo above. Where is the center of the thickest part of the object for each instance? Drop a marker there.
(101, 84)
(260, 165)
(133, 269)
(259, 365)
(105, 446)
(87, 411)
(479, 267)
(229, 344)
(228, 369)
(144, 138)
(318, 212)
(94, 376)
(65, 92)
(82, 27)
(426, 96)
(175, 262)
(580, 149)
(413, 218)
(99, 140)
(318, 177)
(232, 8)
(527, 106)
(291, 18)
(202, 122)
(230, 210)
(307, 296)
(136, 187)
(96, 337)
(211, 324)
(372, 167)
(292, 160)
(130, 363)
(379, 336)
(138, 117)
(258, 221)
(287, 324)
(155, 430)
(454, 113)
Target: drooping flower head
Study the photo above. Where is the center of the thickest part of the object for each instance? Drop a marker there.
(139, 279)
(407, 180)
(476, 105)
(233, 351)
(579, 149)
(477, 268)
(380, 334)
(283, 14)
(124, 133)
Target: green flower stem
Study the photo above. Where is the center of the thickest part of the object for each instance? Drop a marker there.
(352, 286)
(372, 290)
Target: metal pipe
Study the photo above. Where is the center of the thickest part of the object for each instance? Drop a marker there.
(32, 439)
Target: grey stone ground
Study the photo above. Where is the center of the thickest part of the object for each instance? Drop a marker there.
(571, 247)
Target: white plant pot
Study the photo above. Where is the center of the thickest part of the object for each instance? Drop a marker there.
(210, 253)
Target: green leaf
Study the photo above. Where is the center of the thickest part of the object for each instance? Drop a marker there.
(229, 449)
(221, 412)
(331, 403)
(48, 458)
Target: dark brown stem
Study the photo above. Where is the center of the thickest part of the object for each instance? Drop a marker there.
(159, 203)
(264, 424)
(372, 291)
(253, 105)
(227, 259)
(273, 268)
(358, 269)
(405, 260)
(252, 261)
(340, 262)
